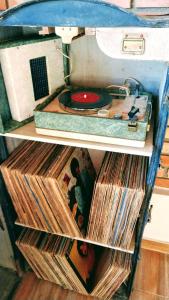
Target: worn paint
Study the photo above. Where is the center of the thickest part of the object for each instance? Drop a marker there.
(71, 13)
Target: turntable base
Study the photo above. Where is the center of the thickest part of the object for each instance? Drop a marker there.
(52, 119)
(117, 106)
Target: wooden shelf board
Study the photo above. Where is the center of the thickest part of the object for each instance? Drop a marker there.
(155, 246)
(130, 250)
(27, 132)
(161, 190)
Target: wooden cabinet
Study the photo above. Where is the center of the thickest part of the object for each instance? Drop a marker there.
(3, 5)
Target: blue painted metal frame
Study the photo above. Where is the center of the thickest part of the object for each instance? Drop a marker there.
(151, 176)
(81, 13)
(95, 13)
(161, 128)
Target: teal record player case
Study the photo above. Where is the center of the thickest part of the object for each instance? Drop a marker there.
(94, 13)
(104, 128)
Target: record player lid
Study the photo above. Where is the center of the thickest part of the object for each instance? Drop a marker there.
(85, 98)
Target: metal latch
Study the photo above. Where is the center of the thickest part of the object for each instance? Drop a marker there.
(149, 216)
(132, 126)
(133, 44)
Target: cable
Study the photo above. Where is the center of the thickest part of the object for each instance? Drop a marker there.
(71, 65)
(137, 82)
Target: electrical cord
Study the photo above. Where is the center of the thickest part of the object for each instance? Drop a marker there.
(70, 60)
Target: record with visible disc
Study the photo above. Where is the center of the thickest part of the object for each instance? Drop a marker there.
(85, 98)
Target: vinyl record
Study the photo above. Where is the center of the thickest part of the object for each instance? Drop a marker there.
(85, 98)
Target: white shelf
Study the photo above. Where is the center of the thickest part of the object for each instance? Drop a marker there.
(130, 250)
(27, 132)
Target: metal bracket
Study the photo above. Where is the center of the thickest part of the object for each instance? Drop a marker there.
(149, 215)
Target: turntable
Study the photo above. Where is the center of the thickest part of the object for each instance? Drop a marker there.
(103, 115)
(84, 100)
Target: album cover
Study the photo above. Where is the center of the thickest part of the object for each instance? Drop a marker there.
(82, 258)
(117, 198)
(75, 265)
(76, 182)
(50, 186)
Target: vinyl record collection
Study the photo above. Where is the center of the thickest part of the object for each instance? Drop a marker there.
(74, 264)
(117, 199)
(54, 189)
(50, 186)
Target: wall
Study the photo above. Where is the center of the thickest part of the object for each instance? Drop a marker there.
(157, 229)
(6, 252)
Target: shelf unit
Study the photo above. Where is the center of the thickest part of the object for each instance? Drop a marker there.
(73, 13)
(130, 250)
(28, 132)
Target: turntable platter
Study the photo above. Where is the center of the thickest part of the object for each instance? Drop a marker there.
(83, 99)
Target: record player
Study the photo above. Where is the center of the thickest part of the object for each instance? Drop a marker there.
(114, 115)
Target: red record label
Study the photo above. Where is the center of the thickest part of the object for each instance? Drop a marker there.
(85, 97)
